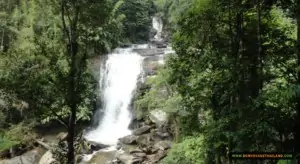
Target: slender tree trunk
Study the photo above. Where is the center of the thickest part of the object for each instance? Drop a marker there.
(70, 31)
(72, 95)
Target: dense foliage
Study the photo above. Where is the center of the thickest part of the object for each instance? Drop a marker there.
(45, 46)
(235, 79)
(137, 23)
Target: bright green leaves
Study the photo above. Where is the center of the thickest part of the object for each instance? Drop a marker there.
(191, 150)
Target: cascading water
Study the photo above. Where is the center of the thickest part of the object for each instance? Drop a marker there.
(117, 84)
(158, 26)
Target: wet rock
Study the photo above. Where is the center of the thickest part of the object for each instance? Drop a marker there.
(161, 45)
(125, 45)
(79, 158)
(131, 139)
(119, 145)
(97, 146)
(142, 130)
(149, 51)
(137, 123)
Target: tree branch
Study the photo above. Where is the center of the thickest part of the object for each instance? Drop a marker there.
(60, 119)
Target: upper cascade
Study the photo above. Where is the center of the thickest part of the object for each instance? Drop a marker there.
(158, 26)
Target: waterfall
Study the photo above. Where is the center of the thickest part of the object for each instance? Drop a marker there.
(158, 26)
(119, 75)
(118, 81)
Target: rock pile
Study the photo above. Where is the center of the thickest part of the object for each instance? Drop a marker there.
(148, 144)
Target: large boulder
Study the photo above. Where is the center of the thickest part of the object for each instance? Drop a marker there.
(142, 130)
(161, 45)
(47, 158)
(26, 158)
(131, 139)
(97, 146)
(158, 117)
(62, 136)
(162, 135)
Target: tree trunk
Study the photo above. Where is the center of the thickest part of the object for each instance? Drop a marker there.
(71, 136)
(255, 76)
(74, 73)
(72, 96)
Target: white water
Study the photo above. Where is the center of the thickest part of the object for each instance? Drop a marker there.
(118, 82)
(158, 26)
